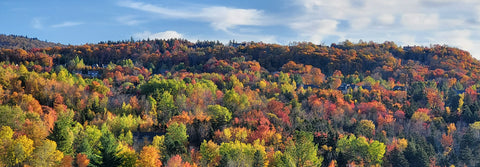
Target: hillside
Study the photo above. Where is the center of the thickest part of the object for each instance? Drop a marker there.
(14, 41)
(154, 102)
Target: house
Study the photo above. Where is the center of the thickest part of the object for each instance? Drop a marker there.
(399, 88)
(408, 48)
(93, 74)
(346, 87)
(459, 92)
(367, 87)
(308, 86)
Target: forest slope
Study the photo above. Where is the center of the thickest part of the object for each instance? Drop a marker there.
(175, 102)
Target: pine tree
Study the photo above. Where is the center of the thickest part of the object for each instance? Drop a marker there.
(467, 114)
(176, 139)
(258, 159)
(108, 150)
(62, 133)
(466, 155)
(397, 159)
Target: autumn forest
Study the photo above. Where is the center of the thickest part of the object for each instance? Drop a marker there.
(205, 103)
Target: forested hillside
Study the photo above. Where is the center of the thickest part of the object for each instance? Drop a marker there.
(181, 103)
(15, 41)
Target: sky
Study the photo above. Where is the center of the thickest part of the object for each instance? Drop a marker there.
(454, 23)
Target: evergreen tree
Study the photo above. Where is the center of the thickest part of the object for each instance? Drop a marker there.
(258, 159)
(176, 139)
(303, 151)
(62, 133)
(466, 156)
(467, 114)
(416, 156)
(397, 159)
(108, 150)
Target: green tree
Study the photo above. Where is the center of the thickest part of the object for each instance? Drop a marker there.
(376, 151)
(258, 159)
(235, 102)
(303, 152)
(210, 153)
(126, 137)
(11, 116)
(166, 107)
(176, 139)
(108, 149)
(466, 155)
(90, 143)
(416, 156)
(221, 116)
(234, 153)
(397, 159)
(46, 154)
(365, 128)
(62, 133)
(353, 149)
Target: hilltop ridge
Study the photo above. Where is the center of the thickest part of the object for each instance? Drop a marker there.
(16, 41)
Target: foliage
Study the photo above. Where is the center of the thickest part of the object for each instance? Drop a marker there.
(149, 157)
(303, 152)
(176, 139)
(253, 104)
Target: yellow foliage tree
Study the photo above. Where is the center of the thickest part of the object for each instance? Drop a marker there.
(149, 157)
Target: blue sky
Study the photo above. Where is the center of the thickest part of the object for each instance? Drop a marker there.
(406, 22)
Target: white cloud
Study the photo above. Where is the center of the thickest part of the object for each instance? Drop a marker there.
(156, 9)
(129, 20)
(458, 38)
(219, 17)
(360, 23)
(420, 21)
(407, 40)
(37, 23)
(224, 18)
(386, 19)
(316, 30)
(66, 24)
(160, 35)
(477, 9)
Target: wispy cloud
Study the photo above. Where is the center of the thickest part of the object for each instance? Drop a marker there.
(219, 17)
(316, 30)
(66, 24)
(37, 23)
(129, 20)
(420, 21)
(159, 35)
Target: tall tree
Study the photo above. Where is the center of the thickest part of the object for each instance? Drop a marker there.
(62, 133)
(303, 152)
(149, 157)
(46, 154)
(108, 149)
(221, 115)
(176, 138)
(210, 153)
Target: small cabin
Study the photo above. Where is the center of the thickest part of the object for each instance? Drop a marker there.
(367, 87)
(93, 74)
(345, 87)
(399, 88)
(308, 86)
